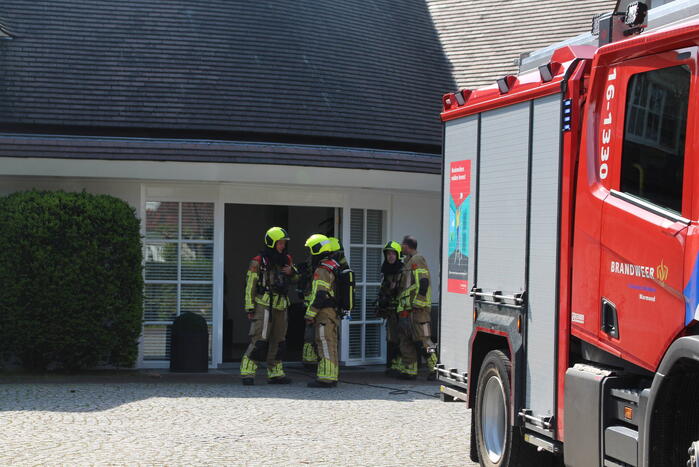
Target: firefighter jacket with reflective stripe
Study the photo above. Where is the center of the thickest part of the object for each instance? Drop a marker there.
(415, 271)
(267, 285)
(388, 293)
(322, 289)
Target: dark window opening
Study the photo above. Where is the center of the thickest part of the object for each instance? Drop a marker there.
(652, 162)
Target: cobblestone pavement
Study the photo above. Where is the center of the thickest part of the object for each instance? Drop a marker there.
(169, 424)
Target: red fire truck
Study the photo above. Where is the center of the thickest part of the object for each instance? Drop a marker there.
(569, 316)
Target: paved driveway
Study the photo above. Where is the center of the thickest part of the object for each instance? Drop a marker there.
(176, 423)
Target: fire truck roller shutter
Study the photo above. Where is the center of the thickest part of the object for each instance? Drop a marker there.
(502, 205)
(543, 257)
(458, 234)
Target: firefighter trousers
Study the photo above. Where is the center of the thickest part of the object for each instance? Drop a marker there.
(267, 342)
(419, 339)
(326, 325)
(310, 356)
(393, 360)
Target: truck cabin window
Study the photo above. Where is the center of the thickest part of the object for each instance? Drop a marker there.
(652, 162)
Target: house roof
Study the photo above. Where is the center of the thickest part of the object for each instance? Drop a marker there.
(344, 73)
(484, 39)
(160, 149)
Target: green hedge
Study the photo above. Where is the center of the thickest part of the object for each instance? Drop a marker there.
(71, 286)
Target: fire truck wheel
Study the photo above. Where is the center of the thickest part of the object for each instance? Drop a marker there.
(498, 445)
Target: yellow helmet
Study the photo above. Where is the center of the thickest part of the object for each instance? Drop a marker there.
(274, 234)
(335, 244)
(318, 243)
(393, 246)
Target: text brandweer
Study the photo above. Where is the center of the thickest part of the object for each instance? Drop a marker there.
(632, 270)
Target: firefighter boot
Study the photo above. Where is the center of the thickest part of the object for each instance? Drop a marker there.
(276, 375)
(392, 360)
(407, 367)
(396, 368)
(310, 356)
(248, 368)
(431, 359)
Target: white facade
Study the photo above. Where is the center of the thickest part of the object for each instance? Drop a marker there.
(410, 203)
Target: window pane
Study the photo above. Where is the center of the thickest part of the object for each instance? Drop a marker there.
(357, 263)
(197, 221)
(197, 261)
(197, 298)
(374, 227)
(356, 314)
(374, 258)
(156, 342)
(161, 220)
(357, 226)
(355, 341)
(652, 163)
(160, 302)
(161, 261)
(372, 293)
(372, 343)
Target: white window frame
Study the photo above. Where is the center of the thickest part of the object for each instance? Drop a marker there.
(147, 362)
(363, 322)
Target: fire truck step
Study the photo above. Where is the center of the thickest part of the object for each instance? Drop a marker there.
(621, 444)
(448, 394)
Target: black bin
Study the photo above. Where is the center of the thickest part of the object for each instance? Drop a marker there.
(189, 345)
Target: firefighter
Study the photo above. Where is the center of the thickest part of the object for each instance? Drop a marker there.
(322, 310)
(391, 271)
(414, 302)
(266, 301)
(310, 354)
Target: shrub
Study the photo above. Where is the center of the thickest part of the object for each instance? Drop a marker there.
(71, 284)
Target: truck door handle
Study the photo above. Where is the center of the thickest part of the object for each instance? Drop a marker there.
(610, 319)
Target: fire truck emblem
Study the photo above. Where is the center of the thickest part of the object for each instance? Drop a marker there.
(661, 272)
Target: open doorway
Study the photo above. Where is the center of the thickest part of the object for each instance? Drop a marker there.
(244, 231)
